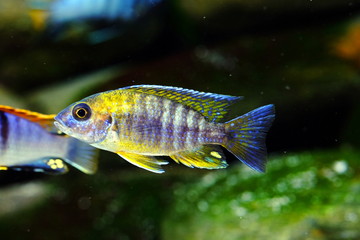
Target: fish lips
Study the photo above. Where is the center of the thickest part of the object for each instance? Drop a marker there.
(59, 124)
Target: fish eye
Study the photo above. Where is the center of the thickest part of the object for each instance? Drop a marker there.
(81, 112)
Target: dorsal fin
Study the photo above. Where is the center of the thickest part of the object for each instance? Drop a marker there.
(212, 106)
(46, 121)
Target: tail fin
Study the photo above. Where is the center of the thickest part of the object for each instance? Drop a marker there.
(82, 156)
(246, 136)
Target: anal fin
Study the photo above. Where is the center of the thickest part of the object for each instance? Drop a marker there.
(146, 162)
(205, 156)
(54, 166)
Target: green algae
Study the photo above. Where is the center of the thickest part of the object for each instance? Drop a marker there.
(298, 196)
(305, 195)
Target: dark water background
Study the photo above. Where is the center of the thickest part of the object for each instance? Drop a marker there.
(302, 56)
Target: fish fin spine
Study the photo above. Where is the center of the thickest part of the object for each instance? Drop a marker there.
(205, 156)
(246, 136)
(212, 106)
(149, 163)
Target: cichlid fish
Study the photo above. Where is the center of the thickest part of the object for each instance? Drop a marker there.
(29, 142)
(101, 19)
(143, 121)
(77, 10)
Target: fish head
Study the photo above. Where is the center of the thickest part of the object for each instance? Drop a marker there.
(85, 120)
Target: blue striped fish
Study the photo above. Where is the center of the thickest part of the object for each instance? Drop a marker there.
(62, 11)
(101, 20)
(144, 121)
(29, 142)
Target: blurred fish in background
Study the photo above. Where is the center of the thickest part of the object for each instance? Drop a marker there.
(29, 142)
(101, 19)
(38, 12)
(347, 47)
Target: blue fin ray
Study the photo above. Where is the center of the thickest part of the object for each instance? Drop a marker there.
(246, 136)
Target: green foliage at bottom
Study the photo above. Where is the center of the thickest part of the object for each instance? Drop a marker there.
(310, 195)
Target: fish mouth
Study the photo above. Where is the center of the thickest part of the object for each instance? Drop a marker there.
(59, 124)
(57, 118)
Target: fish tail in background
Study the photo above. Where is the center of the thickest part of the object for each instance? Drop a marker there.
(246, 136)
(81, 156)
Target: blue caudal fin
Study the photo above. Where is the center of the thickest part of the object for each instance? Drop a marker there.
(82, 156)
(246, 136)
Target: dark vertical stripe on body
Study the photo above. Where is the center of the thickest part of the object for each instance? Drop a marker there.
(185, 127)
(157, 120)
(135, 120)
(4, 124)
(170, 125)
(195, 129)
(167, 125)
(208, 133)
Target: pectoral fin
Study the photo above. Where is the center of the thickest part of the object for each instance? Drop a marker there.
(206, 156)
(146, 162)
(53, 166)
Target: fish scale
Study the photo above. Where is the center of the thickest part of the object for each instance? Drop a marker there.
(143, 121)
(148, 128)
(177, 129)
(167, 126)
(180, 129)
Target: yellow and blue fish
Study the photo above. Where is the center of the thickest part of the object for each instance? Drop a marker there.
(30, 142)
(144, 121)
